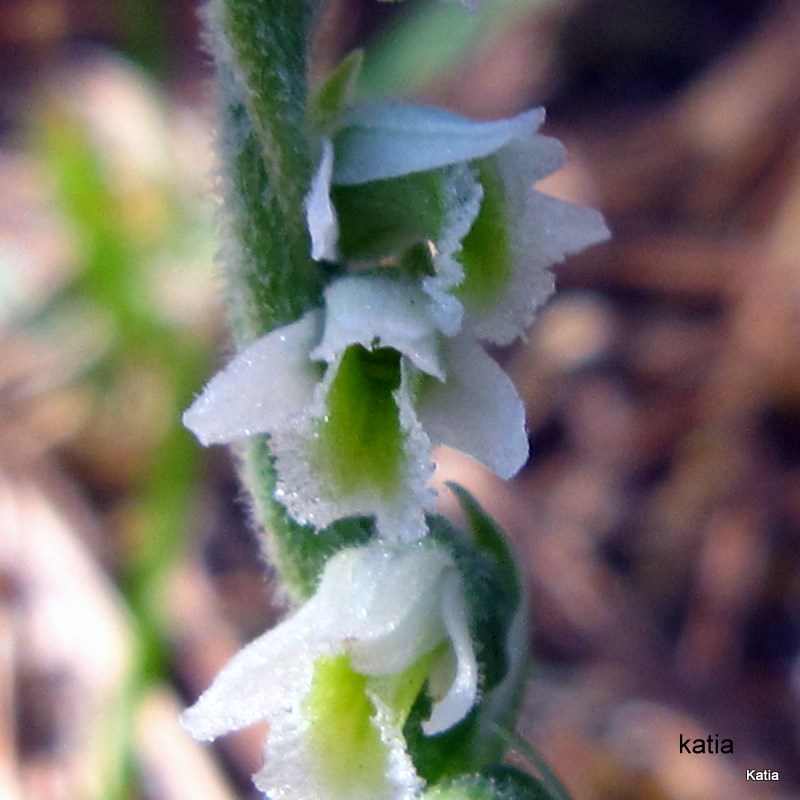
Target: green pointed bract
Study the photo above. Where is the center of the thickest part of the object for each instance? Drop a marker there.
(337, 93)
(490, 538)
(492, 587)
(347, 748)
(360, 440)
(485, 254)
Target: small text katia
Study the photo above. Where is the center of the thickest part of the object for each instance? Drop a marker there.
(762, 775)
(711, 744)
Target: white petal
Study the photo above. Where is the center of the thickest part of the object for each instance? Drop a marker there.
(405, 618)
(323, 226)
(527, 160)
(348, 610)
(269, 677)
(311, 496)
(366, 593)
(379, 312)
(544, 231)
(386, 606)
(463, 692)
(379, 142)
(265, 384)
(366, 596)
(477, 410)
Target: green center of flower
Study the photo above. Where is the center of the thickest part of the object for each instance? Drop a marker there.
(486, 256)
(360, 437)
(347, 747)
(381, 218)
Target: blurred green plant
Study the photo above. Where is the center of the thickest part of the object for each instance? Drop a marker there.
(430, 42)
(136, 228)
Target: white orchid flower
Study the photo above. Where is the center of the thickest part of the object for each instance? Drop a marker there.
(353, 400)
(495, 238)
(337, 680)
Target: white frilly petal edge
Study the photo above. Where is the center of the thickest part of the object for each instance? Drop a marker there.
(261, 388)
(544, 231)
(384, 141)
(323, 225)
(477, 410)
(463, 196)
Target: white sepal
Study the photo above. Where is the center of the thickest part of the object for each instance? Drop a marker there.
(374, 311)
(462, 693)
(384, 141)
(261, 389)
(476, 410)
(323, 226)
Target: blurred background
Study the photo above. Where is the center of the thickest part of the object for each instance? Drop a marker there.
(659, 516)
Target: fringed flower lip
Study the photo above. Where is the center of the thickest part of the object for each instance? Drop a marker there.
(337, 680)
(354, 398)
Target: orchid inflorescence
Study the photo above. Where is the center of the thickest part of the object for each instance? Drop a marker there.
(394, 677)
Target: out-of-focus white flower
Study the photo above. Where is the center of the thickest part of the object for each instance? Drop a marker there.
(353, 399)
(337, 680)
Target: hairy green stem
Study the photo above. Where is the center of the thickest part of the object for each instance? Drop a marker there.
(268, 153)
(267, 160)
